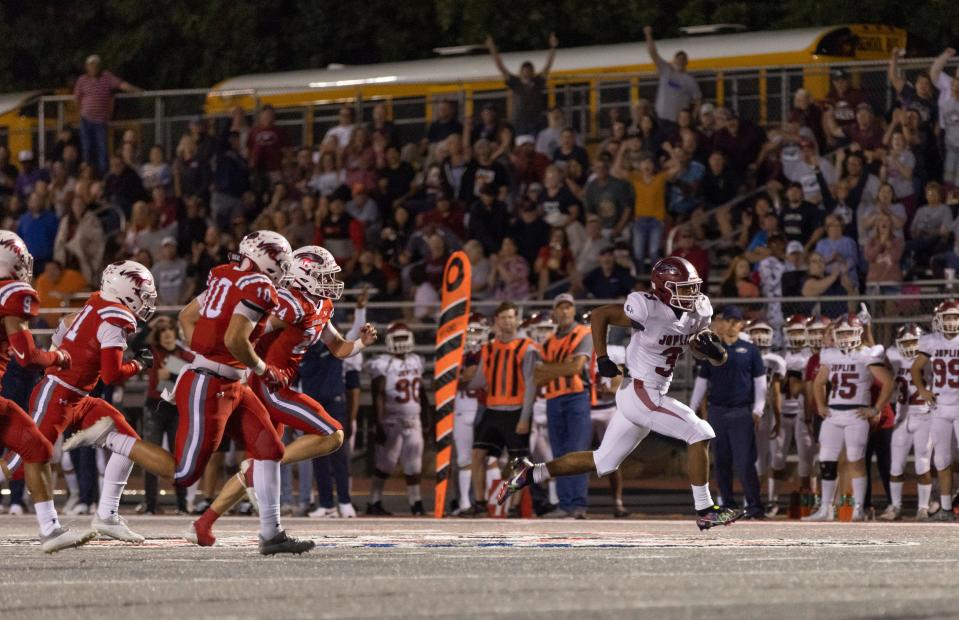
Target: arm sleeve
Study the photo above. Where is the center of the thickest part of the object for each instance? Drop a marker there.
(759, 395)
(26, 352)
(359, 320)
(112, 368)
(699, 393)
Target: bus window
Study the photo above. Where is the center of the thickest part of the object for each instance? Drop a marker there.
(840, 42)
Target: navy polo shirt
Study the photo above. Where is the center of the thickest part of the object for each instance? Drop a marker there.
(731, 385)
(321, 374)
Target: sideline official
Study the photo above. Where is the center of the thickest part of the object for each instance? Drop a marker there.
(735, 405)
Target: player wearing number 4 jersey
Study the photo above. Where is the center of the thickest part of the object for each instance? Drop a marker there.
(849, 369)
(940, 352)
(913, 423)
(300, 320)
(397, 389)
(223, 325)
(664, 321)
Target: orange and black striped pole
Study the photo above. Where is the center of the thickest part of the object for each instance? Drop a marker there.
(450, 339)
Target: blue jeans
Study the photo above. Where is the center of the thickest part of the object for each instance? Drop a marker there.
(647, 238)
(93, 143)
(570, 430)
(734, 448)
(336, 464)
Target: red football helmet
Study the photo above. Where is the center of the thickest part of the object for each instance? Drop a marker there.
(399, 338)
(794, 331)
(760, 332)
(477, 332)
(815, 331)
(676, 283)
(848, 332)
(539, 327)
(907, 340)
(945, 318)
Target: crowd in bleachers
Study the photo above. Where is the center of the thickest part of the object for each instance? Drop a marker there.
(841, 197)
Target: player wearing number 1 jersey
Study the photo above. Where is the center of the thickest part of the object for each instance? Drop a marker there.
(849, 370)
(913, 423)
(761, 334)
(940, 352)
(664, 321)
(397, 390)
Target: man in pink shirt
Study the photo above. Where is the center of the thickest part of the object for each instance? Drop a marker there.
(94, 93)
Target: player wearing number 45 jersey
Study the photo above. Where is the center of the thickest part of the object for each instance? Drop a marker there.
(664, 321)
(940, 352)
(849, 369)
(397, 389)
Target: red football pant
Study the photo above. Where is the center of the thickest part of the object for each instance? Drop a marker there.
(294, 409)
(21, 436)
(55, 408)
(210, 406)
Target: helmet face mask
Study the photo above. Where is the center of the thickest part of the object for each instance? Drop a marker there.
(946, 321)
(271, 253)
(399, 339)
(314, 272)
(15, 258)
(131, 284)
(761, 335)
(847, 336)
(539, 327)
(676, 283)
(908, 347)
(795, 337)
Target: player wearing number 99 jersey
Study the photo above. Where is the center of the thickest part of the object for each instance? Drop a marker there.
(849, 369)
(940, 352)
(397, 388)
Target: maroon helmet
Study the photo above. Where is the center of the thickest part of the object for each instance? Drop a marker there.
(945, 318)
(399, 338)
(676, 283)
(477, 332)
(539, 327)
(760, 332)
(907, 340)
(816, 328)
(847, 332)
(794, 331)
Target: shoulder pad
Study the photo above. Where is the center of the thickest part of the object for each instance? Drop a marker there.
(119, 316)
(18, 299)
(288, 307)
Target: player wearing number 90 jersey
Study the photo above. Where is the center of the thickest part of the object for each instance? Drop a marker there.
(397, 386)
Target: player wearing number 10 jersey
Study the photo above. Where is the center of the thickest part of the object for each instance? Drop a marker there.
(849, 369)
(940, 351)
(397, 388)
(664, 321)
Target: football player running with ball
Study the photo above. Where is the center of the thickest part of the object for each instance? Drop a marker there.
(664, 321)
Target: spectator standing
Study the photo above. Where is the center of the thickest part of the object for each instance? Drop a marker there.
(445, 124)
(885, 205)
(547, 140)
(488, 220)
(169, 273)
(736, 403)
(231, 179)
(687, 248)
(481, 171)
(649, 211)
(565, 377)
(677, 89)
(883, 253)
(841, 102)
(931, 227)
(949, 120)
(555, 265)
(771, 270)
(342, 132)
(396, 177)
(918, 96)
(608, 280)
(609, 198)
(738, 281)
(79, 240)
(836, 283)
(529, 231)
(795, 273)
(156, 172)
(30, 175)
(840, 251)
(947, 85)
(122, 186)
(265, 147)
(740, 141)
(509, 278)
(569, 150)
(38, 229)
(528, 87)
(587, 256)
(800, 220)
(94, 94)
(898, 164)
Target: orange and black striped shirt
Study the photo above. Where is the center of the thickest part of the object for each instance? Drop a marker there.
(562, 349)
(502, 364)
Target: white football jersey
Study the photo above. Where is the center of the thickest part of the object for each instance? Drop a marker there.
(775, 365)
(658, 339)
(404, 382)
(795, 365)
(943, 357)
(850, 379)
(466, 402)
(907, 394)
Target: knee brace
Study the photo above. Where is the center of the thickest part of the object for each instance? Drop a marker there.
(829, 470)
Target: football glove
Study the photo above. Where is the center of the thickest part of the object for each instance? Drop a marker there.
(706, 345)
(607, 367)
(145, 358)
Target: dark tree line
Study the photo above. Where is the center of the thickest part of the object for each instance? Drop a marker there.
(183, 43)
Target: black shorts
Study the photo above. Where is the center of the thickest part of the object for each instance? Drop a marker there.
(496, 430)
(352, 379)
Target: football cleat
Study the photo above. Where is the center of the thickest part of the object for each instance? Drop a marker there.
(115, 527)
(245, 476)
(199, 534)
(282, 543)
(858, 514)
(347, 511)
(417, 509)
(93, 435)
(711, 517)
(772, 511)
(519, 480)
(922, 514)
(620, 513)
(376, 509)
(476, 511)
(946, 516)
(825, 513)
(891, 513)
(63, 538)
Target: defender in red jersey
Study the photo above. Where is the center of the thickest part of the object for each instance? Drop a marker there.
(223, 325)
(300, 319)
(18, 304)
(95, 338)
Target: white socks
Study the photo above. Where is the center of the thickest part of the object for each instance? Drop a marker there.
(859, 491)
(115, 476)
(828, 493)
(266, 483)
(376, 489)
(413, 493)
(701, 497)
(540, 473)
(553, 495)
(924, 491)
(119, 443)
(466, 483)
(47, 517)
(895, 490)
(946, 501)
